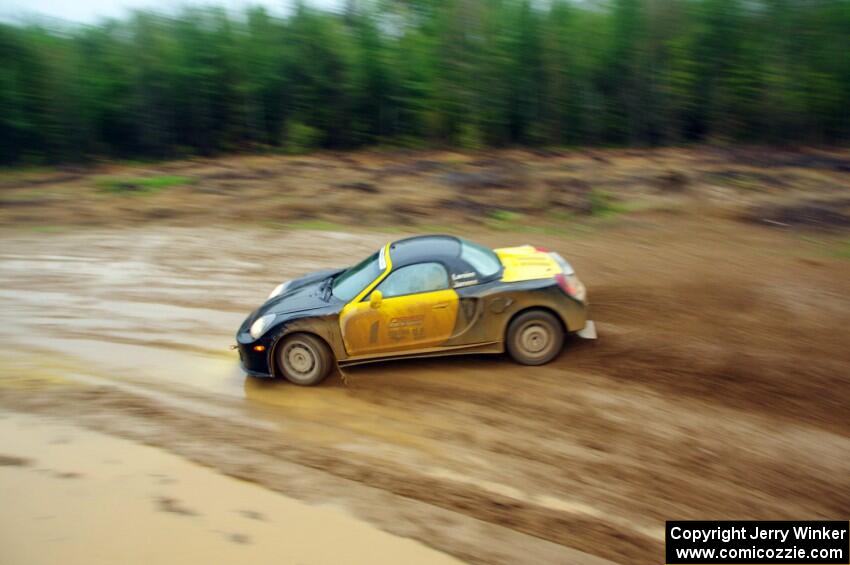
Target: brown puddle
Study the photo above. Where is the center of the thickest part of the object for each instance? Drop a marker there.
(86, 498)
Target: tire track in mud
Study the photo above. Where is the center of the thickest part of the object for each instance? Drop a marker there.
(622, 446)
(141, 419)
(733, 346)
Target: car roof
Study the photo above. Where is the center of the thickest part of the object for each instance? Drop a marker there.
(424, 248)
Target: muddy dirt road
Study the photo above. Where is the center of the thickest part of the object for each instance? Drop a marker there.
(128, 503)
(719, 387)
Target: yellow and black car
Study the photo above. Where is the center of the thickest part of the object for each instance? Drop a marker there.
(423, 296)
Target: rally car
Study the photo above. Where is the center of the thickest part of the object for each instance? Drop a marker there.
(422, 296)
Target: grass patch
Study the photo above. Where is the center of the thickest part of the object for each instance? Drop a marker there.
(603, 205)
(503, 220)
(842, 251)
(504, 216)
(554, 223)
(141, 185)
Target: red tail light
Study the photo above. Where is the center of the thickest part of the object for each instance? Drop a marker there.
(565, 284)
(541, 249)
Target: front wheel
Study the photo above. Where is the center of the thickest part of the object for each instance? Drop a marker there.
(534, 338)
(304, 359)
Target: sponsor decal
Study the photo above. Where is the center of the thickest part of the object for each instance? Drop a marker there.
(462, 279)
(407, 326)
(407, 321)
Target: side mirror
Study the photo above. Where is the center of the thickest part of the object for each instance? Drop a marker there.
(375, 299)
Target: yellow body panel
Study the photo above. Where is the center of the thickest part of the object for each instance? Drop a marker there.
(410, 322)
(525, 263)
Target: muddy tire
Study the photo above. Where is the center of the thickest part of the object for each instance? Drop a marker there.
(534, 338)
(304, 359)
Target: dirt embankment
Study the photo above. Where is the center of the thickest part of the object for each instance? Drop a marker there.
(782, 188)
(718, 388)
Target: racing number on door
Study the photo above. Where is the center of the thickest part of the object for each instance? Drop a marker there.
(417, 310)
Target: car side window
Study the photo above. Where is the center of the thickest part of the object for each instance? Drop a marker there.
(483, 260)
(422, 277)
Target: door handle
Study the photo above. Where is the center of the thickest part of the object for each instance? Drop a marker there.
(441, 306)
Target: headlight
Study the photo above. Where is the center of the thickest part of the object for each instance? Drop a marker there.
(279, 289)
(260, 325)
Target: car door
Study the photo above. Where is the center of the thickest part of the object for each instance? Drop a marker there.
(418, 310)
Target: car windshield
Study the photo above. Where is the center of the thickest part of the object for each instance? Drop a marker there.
(482, 259)
(349, 283)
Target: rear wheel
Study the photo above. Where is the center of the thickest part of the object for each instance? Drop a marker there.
(304, 359)
(534, 338)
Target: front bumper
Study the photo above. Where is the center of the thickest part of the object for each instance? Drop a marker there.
(256, 374)
(254, 363)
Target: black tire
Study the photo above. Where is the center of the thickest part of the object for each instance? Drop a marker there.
(535, 337)
(304, 359)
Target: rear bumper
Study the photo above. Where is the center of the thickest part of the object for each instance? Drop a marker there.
(589, 330)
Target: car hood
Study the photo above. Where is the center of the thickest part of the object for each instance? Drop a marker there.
(304, 293)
